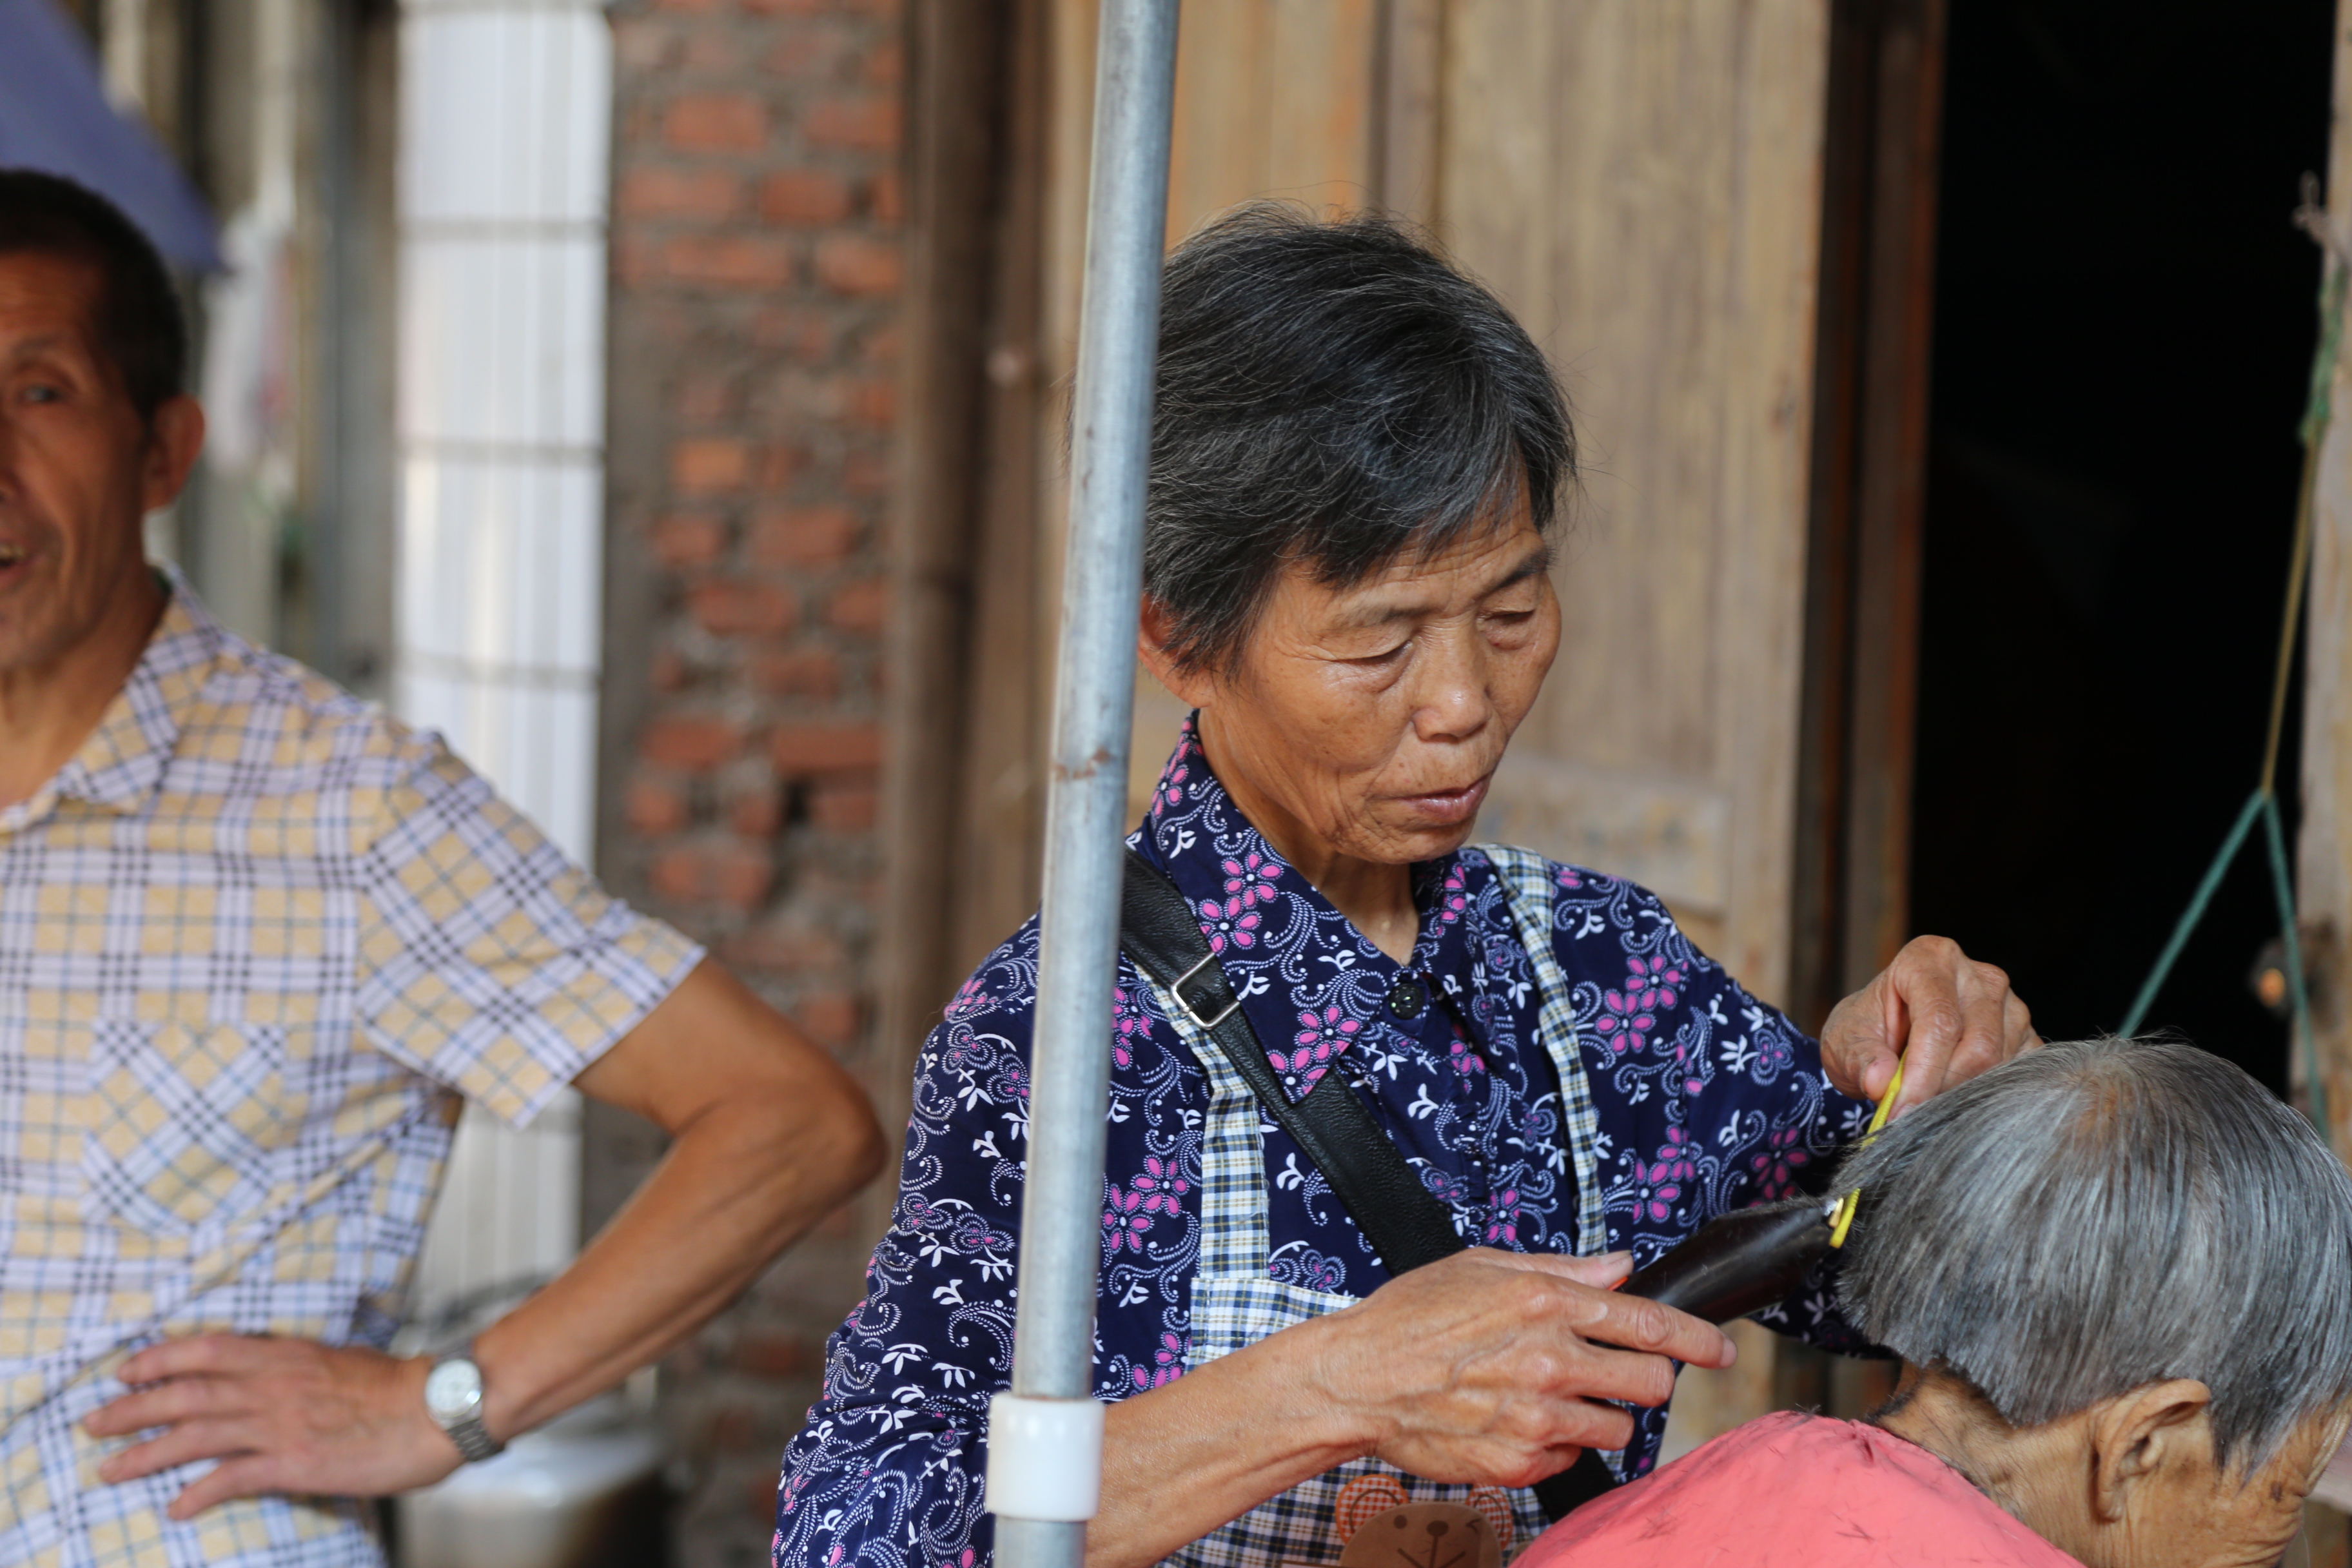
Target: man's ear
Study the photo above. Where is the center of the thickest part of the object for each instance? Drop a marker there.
(175, 436)
(2153, 1434)
(1190, 687)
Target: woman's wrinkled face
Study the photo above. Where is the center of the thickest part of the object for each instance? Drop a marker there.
(1367, 720)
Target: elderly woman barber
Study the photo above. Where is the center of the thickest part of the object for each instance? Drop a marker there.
(1354, 479)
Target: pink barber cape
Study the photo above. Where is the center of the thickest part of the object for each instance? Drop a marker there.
(1792, 1490)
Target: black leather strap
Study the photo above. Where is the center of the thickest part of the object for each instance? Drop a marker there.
(1331, 1125)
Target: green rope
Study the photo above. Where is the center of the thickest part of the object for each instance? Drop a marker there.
(2318, 409)
(2194, 913)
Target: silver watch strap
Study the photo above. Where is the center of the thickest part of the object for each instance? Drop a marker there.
(473, 1440)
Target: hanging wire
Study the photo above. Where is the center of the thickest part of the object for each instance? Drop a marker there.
(2262, 805)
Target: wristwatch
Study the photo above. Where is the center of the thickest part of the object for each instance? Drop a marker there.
(453, 1397)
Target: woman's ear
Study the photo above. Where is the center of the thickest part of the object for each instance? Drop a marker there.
(2155, 1435)
(1152, 632)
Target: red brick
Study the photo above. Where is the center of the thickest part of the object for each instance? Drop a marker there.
(730, 874)
(688, 539)
(802, 672)
(656, 806)
(881, 345)
(806, 52)
(846, 805)
(641, 46)
(726, 608)
(727, 262)
(860, 606)
(869, 122)
(688, 741)
(769, 1354)
(703, 193)
(706, 400)
(829, 1017)
(866, 474)
(788, 950)
(802, 536)
(756, 813)
(670, 671)
(711, 465)
(803, 196)
(804, 334)
(886, 63)
(885, 198)
(716, 122)
(685, 5)
(873, 399)
(800, 750)
(847, 264)
(777, 467)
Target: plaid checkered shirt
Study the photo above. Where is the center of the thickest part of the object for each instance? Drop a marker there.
(257, 940)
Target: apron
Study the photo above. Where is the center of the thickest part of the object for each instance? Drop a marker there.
(1234, 1303)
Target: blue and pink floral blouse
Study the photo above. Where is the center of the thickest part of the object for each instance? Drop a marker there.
(1707, 1101)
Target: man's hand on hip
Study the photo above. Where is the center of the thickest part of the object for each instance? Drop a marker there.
(280, 1415)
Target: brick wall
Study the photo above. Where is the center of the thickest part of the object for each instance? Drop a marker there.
(756, 272)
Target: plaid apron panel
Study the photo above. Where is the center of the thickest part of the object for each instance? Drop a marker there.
(1527, 880)
(1234, 1303)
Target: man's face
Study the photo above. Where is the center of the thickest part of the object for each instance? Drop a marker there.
(78, 468)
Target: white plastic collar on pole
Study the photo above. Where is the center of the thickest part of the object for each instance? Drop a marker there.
(1045, 1457)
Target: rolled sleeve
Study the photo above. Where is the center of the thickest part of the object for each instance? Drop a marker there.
(487, 960)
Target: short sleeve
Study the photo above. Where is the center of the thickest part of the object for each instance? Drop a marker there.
(487, 960)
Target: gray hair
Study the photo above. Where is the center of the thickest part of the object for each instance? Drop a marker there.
(1335, 394)
(2095, 1216)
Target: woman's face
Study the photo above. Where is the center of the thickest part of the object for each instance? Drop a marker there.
(1367, 722)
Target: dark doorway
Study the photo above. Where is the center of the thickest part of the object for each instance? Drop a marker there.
(2123, 330)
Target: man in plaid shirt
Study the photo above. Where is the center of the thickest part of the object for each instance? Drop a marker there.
(257, 941)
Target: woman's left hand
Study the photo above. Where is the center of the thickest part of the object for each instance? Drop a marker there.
(1946, 1015)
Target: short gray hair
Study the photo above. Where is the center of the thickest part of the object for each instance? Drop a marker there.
(1335, 394)
(2095, 1216)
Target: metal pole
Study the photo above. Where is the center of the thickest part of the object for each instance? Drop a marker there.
(1045, 1444)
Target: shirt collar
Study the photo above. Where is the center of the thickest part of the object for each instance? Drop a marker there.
(119, 766)
(1196, 834)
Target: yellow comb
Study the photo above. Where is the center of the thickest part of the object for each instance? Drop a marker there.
(1852, 1200)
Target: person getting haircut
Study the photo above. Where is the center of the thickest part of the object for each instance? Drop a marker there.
(2119, 1275)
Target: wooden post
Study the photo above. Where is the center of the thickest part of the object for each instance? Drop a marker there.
(955, 47)
(2324, 872)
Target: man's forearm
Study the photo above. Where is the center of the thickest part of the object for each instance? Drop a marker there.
(739, 1184)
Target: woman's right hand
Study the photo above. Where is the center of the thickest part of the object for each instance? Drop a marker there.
(1488, 1367)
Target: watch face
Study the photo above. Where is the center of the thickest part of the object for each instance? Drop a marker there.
(453, 1389)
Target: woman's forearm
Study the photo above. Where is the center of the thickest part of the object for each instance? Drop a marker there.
(1186, 1457)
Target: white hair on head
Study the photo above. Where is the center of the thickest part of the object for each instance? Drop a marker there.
(2101, 1214)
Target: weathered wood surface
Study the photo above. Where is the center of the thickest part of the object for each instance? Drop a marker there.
(1642, 182)
(2324, 870)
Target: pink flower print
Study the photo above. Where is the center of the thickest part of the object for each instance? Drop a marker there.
(1677, 1155)
(1655, 980)
(1452, 901)
(968, 1560)
(1172, 788)
(1251, 878)
(1167, 1364)
(1321, 1036)
(1503, 1225)
(1234, 922)
(1466, 1060)
(1163, 1190)
(1131, 1024)
(1566, 877)
(1776, 1165)
(970, 998)
(1125, 1221)
(1655, 1190)
(1627, 1017)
